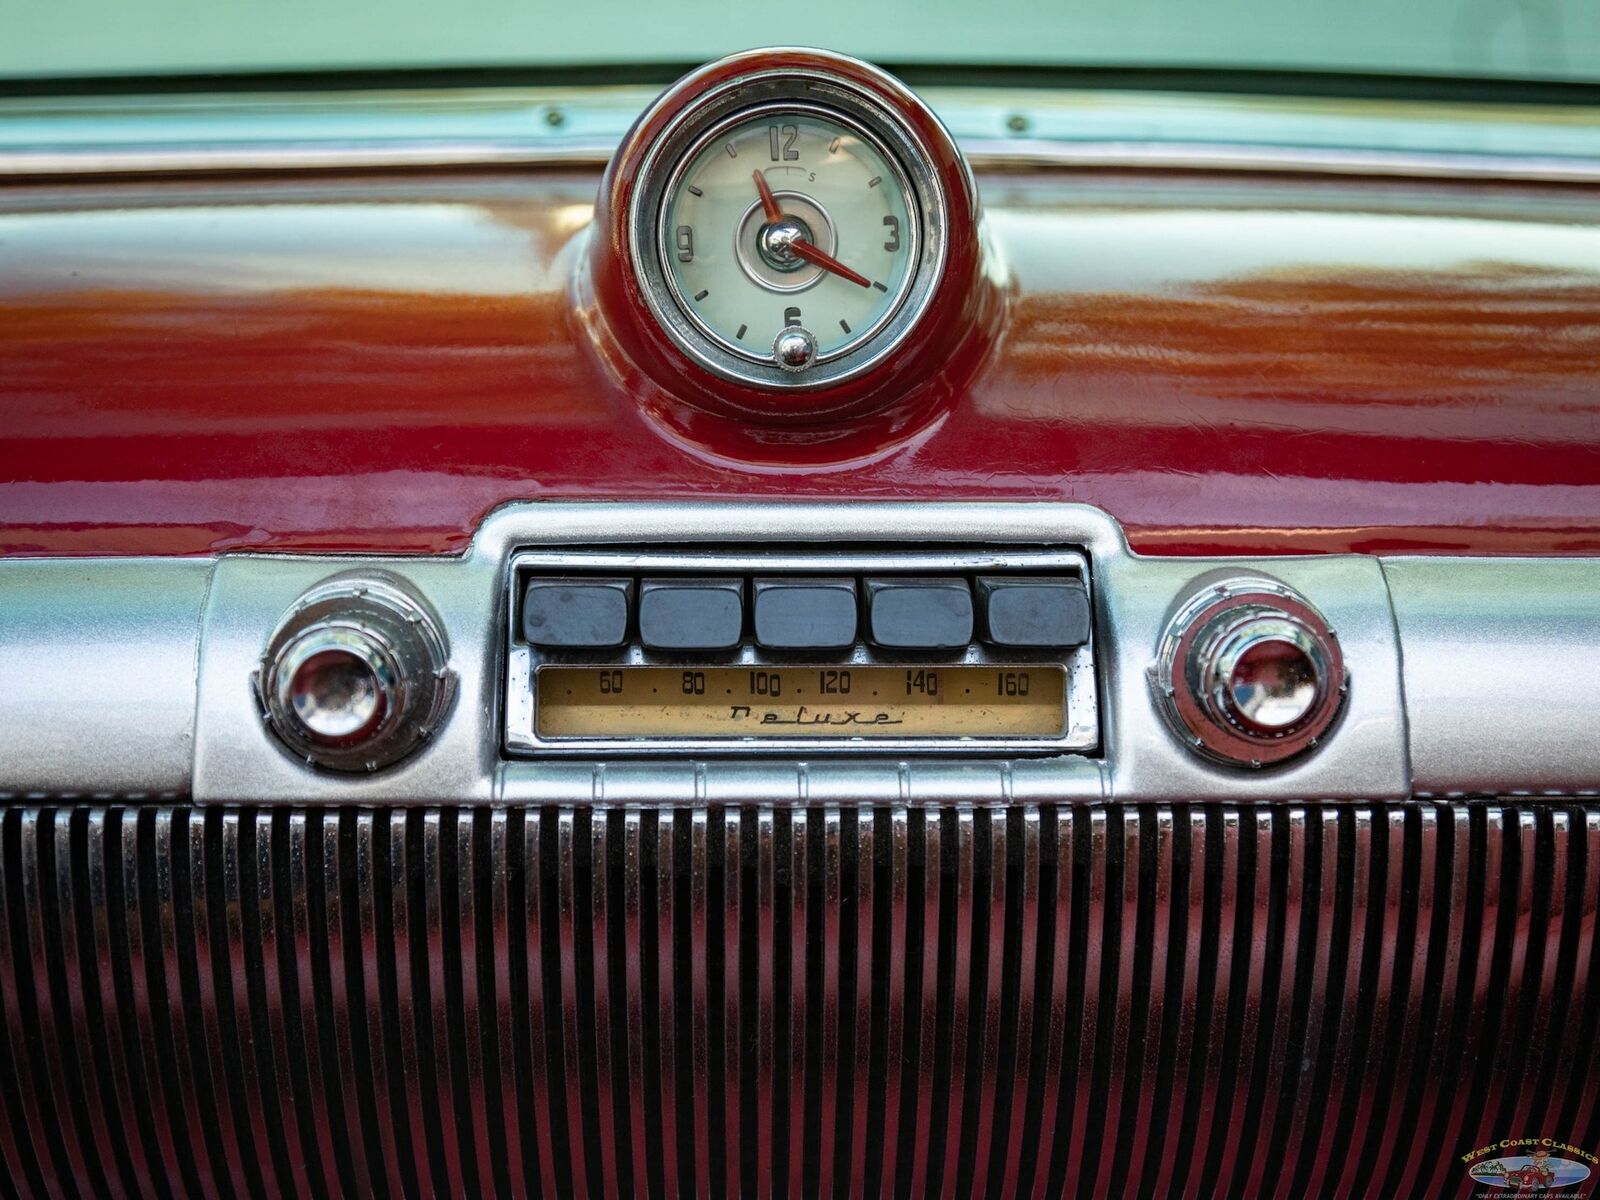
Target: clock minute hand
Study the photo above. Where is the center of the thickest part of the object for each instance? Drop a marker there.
(827, 262)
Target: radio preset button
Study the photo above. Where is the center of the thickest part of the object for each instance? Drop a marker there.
(805, 614)
(1038, 611)
(919, 613)
(691, 614)
(577, 613)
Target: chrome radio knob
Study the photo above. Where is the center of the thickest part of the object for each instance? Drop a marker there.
(355, 678)
(1250, 674)
(1266, 673)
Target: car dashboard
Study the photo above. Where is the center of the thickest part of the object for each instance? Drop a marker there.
(786, 637)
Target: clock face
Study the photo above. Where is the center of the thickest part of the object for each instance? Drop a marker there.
(788, 229)
(789, 237)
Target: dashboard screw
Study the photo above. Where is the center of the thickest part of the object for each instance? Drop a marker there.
(1017, 123)
(554, 117)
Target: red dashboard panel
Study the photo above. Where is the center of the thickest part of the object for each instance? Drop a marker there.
(1243, 364)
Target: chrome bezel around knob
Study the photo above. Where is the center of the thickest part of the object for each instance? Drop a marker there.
(1196, 673)
(377, 623)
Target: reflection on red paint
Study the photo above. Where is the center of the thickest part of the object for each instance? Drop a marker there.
(1253, 366)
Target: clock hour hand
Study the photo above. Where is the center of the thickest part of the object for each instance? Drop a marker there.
(769, 202)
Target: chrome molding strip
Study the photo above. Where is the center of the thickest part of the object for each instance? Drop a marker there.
(923, 781)
(98, 661)
(984, 156)
(183, 160)
(1319, 160)
(1502, 659)
(999, 129)
(110, 687)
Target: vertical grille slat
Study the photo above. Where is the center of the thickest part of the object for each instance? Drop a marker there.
(337, 1003)
(106, 1099)
(188, 909)
(1574, 1100)
(889, 955)
(662, 1002)
(630, 989)
(824, 1000)
(795, 934)
(726, 903)
(759, 953)
(861, 853)
(369, 958)
(32, 1004)
(57, 1024)
(840, 1000)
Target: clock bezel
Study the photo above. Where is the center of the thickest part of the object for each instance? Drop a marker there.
(746, 97)
(911, 236)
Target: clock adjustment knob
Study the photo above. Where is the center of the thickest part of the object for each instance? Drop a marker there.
(794, 349)
(1250, 673)
(355, 677)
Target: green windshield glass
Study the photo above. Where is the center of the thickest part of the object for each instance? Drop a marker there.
(1555, 40)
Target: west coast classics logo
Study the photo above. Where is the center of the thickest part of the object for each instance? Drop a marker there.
(1531, 1166)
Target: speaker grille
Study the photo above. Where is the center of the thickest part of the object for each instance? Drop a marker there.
(1087, 1000)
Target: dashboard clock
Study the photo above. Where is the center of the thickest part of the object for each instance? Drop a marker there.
(789, 223)
(790, 236)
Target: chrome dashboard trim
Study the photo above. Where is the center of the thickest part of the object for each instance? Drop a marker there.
(993, 156)
(98, 661)
(1314, 160)
(131, 676)
(1502, 673)
(998, 129)
(683, 784)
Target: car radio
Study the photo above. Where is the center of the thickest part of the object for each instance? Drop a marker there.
(799, 651)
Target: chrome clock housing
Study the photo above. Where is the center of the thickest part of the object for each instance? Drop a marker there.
(817, 94)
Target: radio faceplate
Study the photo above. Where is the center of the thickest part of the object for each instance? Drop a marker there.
(971, 650)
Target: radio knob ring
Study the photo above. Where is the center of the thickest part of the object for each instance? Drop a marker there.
(1250, 674)
(355, 677)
